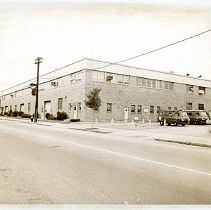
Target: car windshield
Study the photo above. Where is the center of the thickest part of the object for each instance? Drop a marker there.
(183, 114)
(203, 114)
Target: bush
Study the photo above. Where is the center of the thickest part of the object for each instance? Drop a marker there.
(61, 115)
(20, 113)
(50, 116)
(5, 113)
(26, 115)
(74, 120)
(15, 114)
(10, 113)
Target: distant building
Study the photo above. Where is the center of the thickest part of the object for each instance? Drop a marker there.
(126, 92)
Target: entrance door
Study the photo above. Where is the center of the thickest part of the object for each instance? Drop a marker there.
(75, 112)
(126, 113)
(47, 107)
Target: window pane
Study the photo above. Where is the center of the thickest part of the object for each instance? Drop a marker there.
(151, 109)
(109, 107)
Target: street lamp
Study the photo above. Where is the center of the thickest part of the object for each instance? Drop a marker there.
(38, 60)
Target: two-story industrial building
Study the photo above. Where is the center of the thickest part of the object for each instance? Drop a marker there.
(126, 92)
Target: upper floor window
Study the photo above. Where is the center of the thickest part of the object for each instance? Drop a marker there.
(169, 85)
(189, 88)
(201, 90)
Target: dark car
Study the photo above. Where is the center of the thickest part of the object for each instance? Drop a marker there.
(173, 117)
(197, 116)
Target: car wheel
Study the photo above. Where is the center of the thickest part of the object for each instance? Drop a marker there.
(183, 124)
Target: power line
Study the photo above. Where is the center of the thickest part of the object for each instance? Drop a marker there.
(40, 76)
(143, 54)
(160, 48)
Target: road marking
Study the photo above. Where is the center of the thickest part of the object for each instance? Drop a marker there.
(123, 155)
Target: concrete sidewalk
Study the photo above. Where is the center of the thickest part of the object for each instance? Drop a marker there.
(188, 135)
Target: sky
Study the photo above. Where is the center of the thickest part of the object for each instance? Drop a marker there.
(66, 31)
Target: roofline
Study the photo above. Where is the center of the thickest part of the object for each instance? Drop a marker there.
(159, 71)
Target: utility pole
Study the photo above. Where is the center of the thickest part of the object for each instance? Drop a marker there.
(38, 60)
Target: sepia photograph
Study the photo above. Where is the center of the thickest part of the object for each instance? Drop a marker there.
(105, 104)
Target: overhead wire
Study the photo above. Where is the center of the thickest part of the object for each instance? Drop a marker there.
(121, 61)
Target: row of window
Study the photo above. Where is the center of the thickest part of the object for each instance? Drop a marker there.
(189, 106)
(138, 109)
(190, 89)
(125, 79)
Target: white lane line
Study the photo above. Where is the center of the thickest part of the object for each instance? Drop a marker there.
(138, 158)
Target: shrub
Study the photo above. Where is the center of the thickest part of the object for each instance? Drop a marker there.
(50, 116)
(5, 113)
(10, 113)
(61, 115)
(74, 120)
(15, 114)
(20, 113)
(26, 115)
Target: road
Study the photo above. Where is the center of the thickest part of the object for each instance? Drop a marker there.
(46, 164)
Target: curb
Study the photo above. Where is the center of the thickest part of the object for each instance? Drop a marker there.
(184, 142)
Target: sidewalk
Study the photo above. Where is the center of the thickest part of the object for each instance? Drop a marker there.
(188, 135)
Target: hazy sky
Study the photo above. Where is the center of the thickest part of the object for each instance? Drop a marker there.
(65, 31)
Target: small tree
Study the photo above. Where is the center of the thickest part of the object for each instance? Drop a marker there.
(93, 100)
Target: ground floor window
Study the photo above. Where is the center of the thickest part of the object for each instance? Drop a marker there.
(201, 106)
(139, 109)
(109, 107)
(158, 109)
(133, 107)
(79, 106)
(151, 109)
(189, 106)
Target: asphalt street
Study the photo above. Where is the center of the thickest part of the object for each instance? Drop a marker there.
(46, 164)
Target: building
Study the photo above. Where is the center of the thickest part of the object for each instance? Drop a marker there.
(126, 92)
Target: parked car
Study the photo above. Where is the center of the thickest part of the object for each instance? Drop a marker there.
(197, 116)
(173, 117)
(209, 115)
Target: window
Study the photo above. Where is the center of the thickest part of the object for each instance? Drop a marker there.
(79, 106)
(201, 90)
(154, 83)
(201, 106)
(109, 107)
(169, 85)
(151, 109)
(133, 107)
(158, 109)
(149, 83)
(189, 88)
(70, 107)
(29, 108)
(60, 101)
(139, 109)
(159, 84)
(189, 106)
